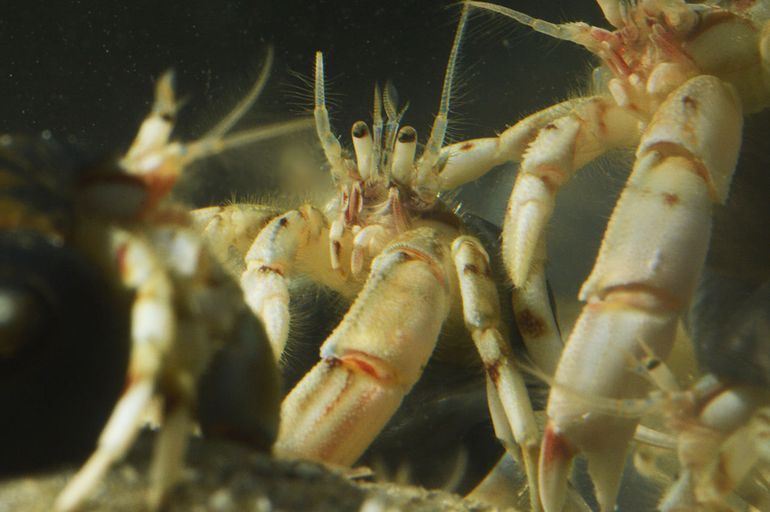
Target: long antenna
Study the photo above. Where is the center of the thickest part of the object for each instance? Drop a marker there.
(576, 32)
(329, 142)
(246, 103)
(432, 151)
(207, 146)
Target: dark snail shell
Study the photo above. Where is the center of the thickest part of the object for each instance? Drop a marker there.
(63, 332)
(239, 394)
(64, 353)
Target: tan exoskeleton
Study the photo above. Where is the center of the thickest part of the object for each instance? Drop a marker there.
(410, 264)
(676, 80)
(185, 307)
(719, 432)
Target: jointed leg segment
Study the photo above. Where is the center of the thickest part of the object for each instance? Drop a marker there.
(273, 254)
(152, 333)
(509, 402)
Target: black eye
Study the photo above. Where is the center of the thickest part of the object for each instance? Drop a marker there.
(407, 134)
(360, 130)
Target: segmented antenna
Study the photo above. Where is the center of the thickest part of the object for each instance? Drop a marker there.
(329, 142)
(151, 148)
(574, 32)
(376, 130)
(432, 151)
(214, 141)
(206, 147)
(390, 102)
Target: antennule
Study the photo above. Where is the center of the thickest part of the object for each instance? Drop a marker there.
(374, 169)
(329, 142)
(432, 151)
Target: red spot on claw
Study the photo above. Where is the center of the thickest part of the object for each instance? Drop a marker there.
(364, 367)
(555, 447)
(368, 364)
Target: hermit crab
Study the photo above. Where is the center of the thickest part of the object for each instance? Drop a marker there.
(410, 266)
(675, 82)
(194, 346)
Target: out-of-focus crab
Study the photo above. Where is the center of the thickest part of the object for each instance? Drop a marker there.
(411, 266)
(723, 445)
(194, 345)
(676, 80)
(719, 427)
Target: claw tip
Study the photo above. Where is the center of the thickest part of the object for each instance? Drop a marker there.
(555, 457)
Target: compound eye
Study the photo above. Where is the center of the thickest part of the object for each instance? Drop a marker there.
(362, 143)
(407, 134)
(360, 130)
(403, 155)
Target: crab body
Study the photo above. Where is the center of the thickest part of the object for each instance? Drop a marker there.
(671, 87)
(409, 265)
(193, 346)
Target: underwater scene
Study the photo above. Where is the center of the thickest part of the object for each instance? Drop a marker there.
(384, 256)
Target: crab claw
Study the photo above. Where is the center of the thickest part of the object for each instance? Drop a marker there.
(605, 451)
(555, 458)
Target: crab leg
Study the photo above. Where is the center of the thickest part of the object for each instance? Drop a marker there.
(512, 413)
(153, 329)
(231, 230)
(373, 358)
(273, 255)
(561, 147)
(719, 450)
(467, 161)
(553, 144)
(643, 278)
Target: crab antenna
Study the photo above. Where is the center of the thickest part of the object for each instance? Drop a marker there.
(210, 146)
(214, 141)
(566, 31)
(329, 142)
(246, 103)
(376, 131)
(151, 149)
(433, 147)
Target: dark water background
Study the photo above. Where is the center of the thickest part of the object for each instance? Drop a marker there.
(84, 70)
